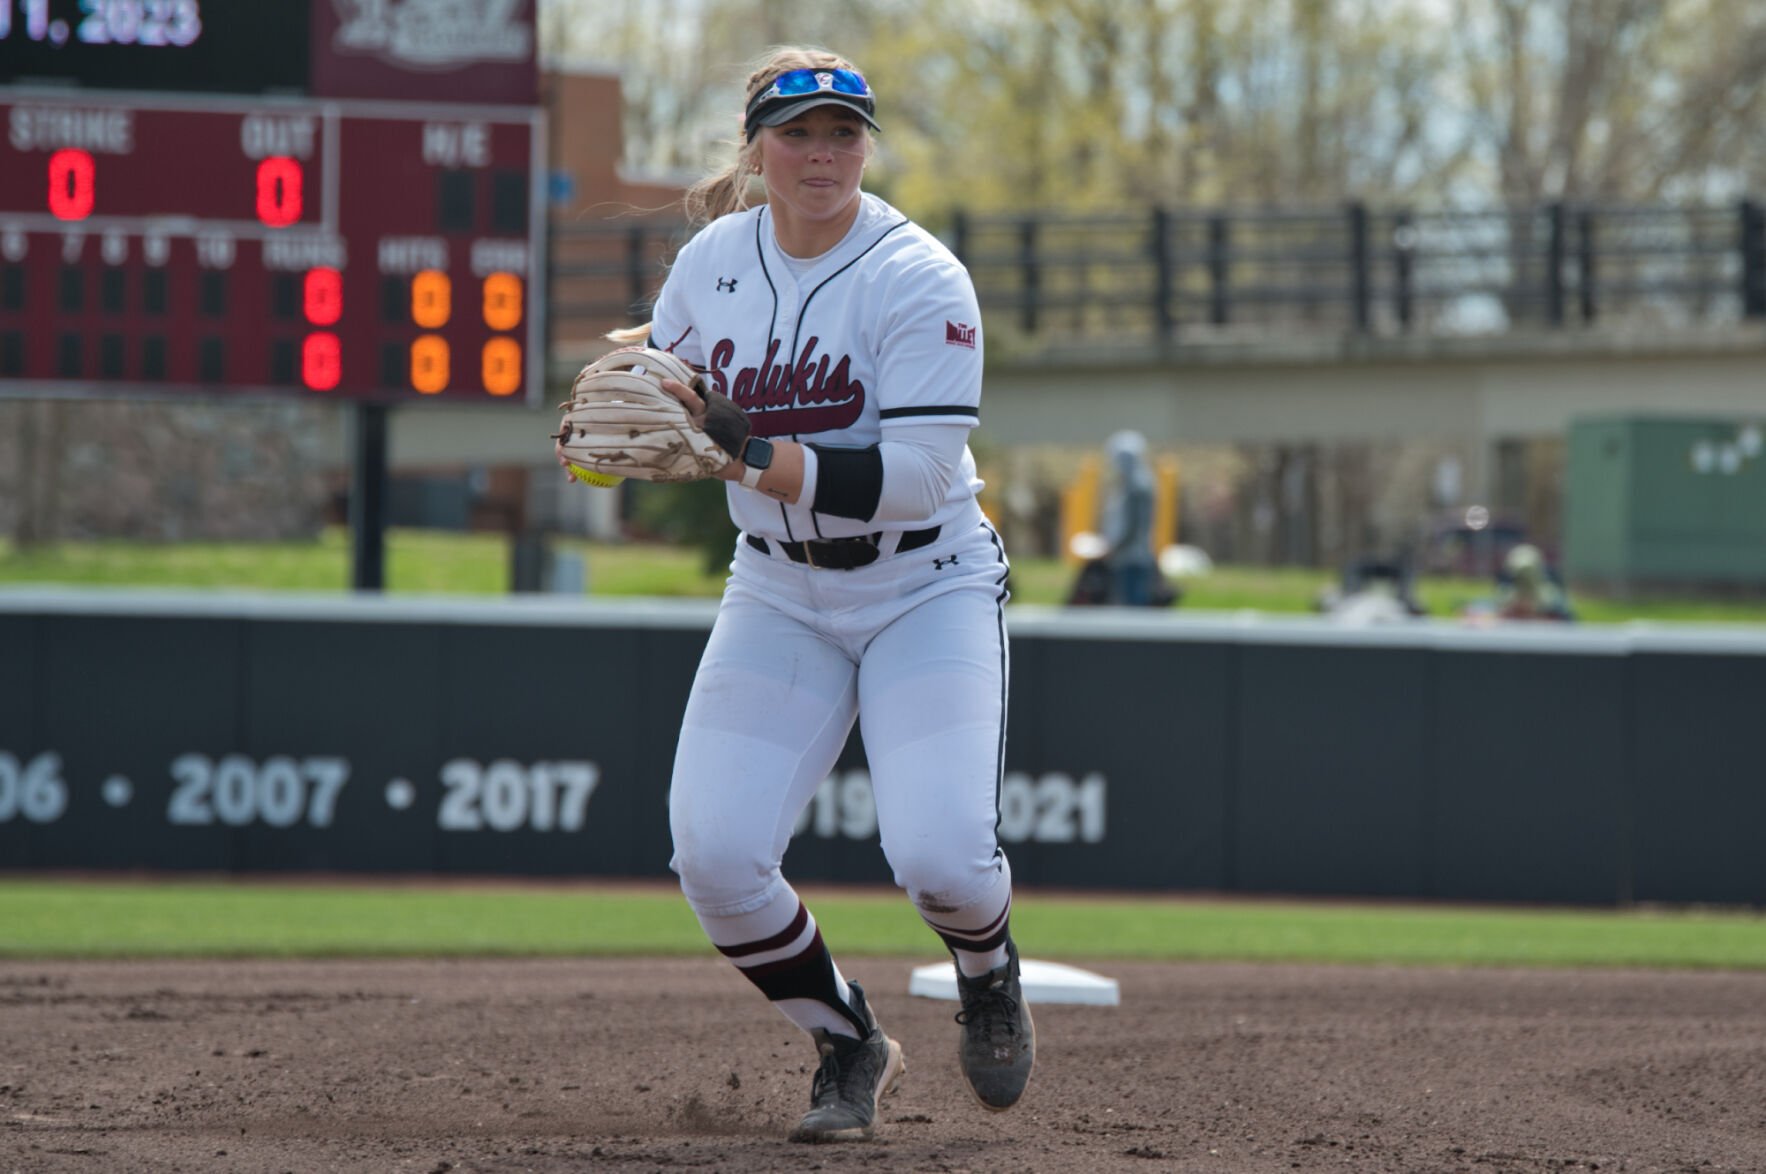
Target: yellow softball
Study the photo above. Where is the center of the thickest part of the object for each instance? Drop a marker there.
(599, 480)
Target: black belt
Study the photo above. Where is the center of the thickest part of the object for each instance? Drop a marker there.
(843, 554)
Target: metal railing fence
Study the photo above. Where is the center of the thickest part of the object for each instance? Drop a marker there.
(1163, 275)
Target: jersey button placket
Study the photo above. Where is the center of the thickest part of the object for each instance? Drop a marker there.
(783, 328)
(786, 323)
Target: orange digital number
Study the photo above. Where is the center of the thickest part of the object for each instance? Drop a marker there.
(431, 299)
(502, 301)
(502, 366)
(429, 364)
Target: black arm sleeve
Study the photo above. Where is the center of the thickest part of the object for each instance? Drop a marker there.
(849, 481)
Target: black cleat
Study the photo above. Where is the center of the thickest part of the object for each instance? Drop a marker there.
(854, 1075)
(998, 1046)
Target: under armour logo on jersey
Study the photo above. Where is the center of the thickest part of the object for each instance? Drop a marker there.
(938, 564)
(959, 334)
(726, 285)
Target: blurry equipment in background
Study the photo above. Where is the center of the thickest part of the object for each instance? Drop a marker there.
(1168, 491)
(1656, 503)
(1373, 591)
(1079, 511)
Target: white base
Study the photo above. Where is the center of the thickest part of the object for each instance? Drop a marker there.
(1044, 982)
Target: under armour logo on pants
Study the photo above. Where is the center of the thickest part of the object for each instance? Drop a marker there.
(938, 564)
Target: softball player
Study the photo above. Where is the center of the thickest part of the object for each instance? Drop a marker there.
(866, 584)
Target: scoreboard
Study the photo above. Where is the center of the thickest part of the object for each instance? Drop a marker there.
(334, 198)
(266, 245)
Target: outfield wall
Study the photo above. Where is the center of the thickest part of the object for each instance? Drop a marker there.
(1151, 751)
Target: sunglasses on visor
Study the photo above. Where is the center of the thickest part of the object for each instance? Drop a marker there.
(795, 83)
(791, 89)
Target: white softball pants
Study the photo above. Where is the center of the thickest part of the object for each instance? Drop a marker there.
(914, 646)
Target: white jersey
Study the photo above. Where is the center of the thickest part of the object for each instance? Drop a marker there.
(882, 330)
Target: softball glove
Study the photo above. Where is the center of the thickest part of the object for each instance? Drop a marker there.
(620, 422)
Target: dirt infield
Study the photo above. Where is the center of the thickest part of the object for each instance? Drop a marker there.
(636, 1065)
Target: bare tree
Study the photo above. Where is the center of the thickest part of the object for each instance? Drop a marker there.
(682, 62)
(1092, 103)
(1614, 99)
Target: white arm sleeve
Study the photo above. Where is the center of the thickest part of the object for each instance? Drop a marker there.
(812, 467)
(919, 462)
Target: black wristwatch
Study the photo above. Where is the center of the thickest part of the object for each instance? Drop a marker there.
(757, 454)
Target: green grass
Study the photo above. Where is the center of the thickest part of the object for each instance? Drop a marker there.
(417, 560)
(425, 561)
(56, 918)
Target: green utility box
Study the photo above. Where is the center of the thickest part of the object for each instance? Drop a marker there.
(1654, 500)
